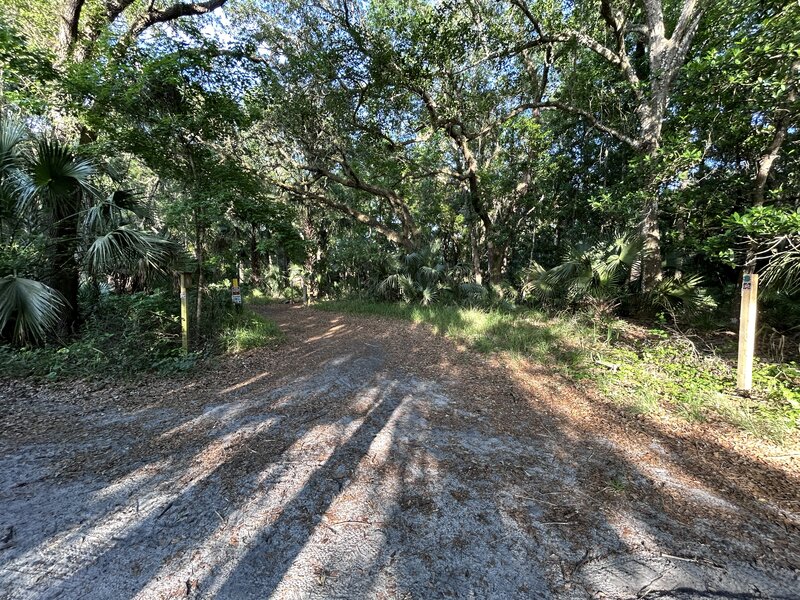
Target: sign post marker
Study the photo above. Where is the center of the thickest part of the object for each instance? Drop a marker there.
(236, 294)
(184, 313)
(747, 332)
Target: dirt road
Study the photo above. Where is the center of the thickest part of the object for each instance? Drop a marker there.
(365, 458)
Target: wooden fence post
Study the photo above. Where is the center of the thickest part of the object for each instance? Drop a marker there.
(747, 332)
(184, 313)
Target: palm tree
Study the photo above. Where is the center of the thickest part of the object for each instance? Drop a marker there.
(598, 276)
(51, 183)
(28, 308)
(598, 271)
(115, 246)
(416, 277)
(57, 182)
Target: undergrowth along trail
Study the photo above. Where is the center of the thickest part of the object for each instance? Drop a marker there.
(645, 370)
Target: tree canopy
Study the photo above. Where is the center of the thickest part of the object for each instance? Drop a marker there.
(638, 155)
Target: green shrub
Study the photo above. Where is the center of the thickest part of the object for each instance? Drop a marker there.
(122, 335)
(127, 334)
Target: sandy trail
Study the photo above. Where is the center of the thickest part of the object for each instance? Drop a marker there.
(366, 458)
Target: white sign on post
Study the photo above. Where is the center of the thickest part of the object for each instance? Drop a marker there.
(747, 332)
(236, 293)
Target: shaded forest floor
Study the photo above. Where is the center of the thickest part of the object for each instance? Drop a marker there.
(367, 457)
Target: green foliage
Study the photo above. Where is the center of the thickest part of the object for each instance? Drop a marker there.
(597, 277)
(420, 276)
(123, 335)
(588, 273)
(25, 71)
(668, 376)
(246, 331)
(30, 309)
(126, 250)
(680, 296)
(12, 136)
(49, 190)
(129, 334)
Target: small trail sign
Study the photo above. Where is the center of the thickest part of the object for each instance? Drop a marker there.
(236, 293)
(747, 332)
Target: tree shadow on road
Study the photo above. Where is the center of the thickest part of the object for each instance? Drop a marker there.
(344, 465)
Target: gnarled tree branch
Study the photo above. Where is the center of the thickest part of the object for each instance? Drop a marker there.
(175, 11)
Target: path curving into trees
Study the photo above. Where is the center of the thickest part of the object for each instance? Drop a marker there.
(368, 458)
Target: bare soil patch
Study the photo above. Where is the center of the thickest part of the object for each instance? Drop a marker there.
(368, 458)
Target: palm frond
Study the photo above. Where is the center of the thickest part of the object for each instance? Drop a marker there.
(577, 273)
(783, 266)
(12, 134)
(124, 248)
(112, 211)
(458, 273)
(535, 282)
(629, 249)
(428, 296)
(685, 295)
(56, 176)
(620, 256)
(30, 307)
(473, 293)
(430, 275)
(412, 260)
(395, 286)
(127, 200)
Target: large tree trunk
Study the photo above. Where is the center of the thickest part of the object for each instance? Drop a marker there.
(652, 272)
(321, 264)
(493, 266)
(310, 289)
(283, 265)
(476, 254)
(680, 227)
(69, 19)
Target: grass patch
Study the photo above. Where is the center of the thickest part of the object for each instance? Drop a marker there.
(666, 375)
(246, 331)
(554, 341)
(655, 373)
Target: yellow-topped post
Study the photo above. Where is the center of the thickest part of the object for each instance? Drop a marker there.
(747, 332)
(185, 312)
